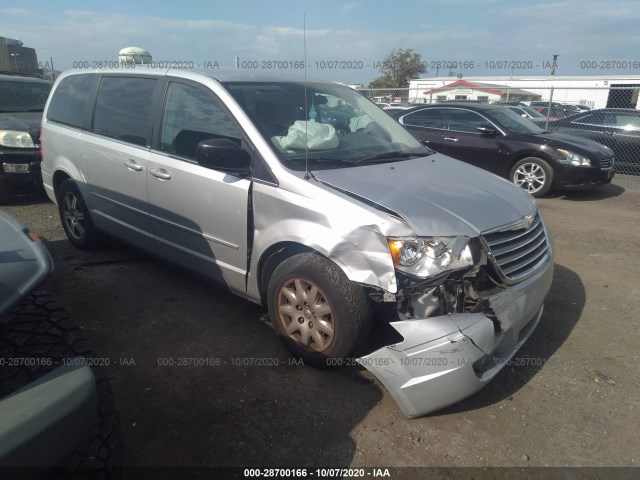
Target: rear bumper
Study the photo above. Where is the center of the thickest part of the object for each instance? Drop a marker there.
(444, 359)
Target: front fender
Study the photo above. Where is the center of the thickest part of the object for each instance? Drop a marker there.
(359, 249)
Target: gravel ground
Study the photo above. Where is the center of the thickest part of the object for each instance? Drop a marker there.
(569, 398)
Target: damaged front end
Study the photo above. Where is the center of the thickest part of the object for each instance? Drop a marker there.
(461, 324)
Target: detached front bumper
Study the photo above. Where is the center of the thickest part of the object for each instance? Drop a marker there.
(444, 359)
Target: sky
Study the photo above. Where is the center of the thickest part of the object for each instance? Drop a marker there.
(345, 41)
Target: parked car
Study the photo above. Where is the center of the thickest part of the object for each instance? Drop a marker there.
(558, 110)
(57, 414)
(319, 224)
(22, 101)
(582, 108)
(570, 109)
(393, 109)
(553, 112)
(530, 113)
(513, 103)
(617, 128)
(494, 138)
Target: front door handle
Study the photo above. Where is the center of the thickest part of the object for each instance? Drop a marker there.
(160, 173)
(450, 139)
(132, 165)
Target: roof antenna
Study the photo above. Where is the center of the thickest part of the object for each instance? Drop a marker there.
(306, 110)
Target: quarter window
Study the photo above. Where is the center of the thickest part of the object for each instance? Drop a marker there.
(123, 109)
(192, 115)
(70, 99)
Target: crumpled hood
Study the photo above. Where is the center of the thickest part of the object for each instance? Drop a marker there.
(436, 195)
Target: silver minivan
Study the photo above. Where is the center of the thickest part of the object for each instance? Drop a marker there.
(305, 197)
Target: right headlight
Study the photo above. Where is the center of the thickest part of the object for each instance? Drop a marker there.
(573, 158)
(429, 256)
(16, 139)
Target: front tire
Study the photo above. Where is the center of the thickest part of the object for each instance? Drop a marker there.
(75, 217)
(533, 175)
(318, 313)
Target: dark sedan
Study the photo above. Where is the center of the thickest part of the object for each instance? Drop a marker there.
(617, 128)
(494, 138)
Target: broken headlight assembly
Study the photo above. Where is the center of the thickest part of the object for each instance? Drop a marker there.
(429, 256)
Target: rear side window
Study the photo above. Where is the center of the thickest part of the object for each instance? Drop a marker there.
(123, 109)
(429, 117)
(466, 121)
(69, 102)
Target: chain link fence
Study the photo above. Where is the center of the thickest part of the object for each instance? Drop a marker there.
(607, 115)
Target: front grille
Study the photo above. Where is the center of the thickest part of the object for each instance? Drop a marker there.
(606, 163)
(517, 252)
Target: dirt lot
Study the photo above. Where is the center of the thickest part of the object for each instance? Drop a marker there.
(570, 398)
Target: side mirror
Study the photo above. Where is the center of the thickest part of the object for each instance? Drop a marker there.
(224, 155)
(487, 130)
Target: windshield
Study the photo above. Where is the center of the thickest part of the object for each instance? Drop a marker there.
(532, 111)
(512, 122)
(17, 96)
(333, 126)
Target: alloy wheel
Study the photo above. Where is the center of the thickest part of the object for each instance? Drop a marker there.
(530, 176)
(73, 215)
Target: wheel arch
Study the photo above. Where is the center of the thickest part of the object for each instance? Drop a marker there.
(58, 178)
(274, 256)
(527, 154)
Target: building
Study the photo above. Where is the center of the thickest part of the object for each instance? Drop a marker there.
(478, 91)
(593, 91)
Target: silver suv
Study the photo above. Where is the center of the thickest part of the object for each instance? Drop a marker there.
(307, 198)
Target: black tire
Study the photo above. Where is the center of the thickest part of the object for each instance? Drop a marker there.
(40, 329)
(335, 312)
(6, 192)
(533, 175)
(75, 217)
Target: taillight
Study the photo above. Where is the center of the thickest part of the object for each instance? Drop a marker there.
(40, 131)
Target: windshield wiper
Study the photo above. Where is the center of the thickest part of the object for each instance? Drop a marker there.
(320, 159)
(387, 155)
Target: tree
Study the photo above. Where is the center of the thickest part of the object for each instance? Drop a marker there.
(398, 68)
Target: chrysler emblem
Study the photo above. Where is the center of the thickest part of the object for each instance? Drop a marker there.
(527, 221)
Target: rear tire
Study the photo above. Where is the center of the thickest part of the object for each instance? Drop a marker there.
(318, 313)
(533, 175)
(75, 217)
